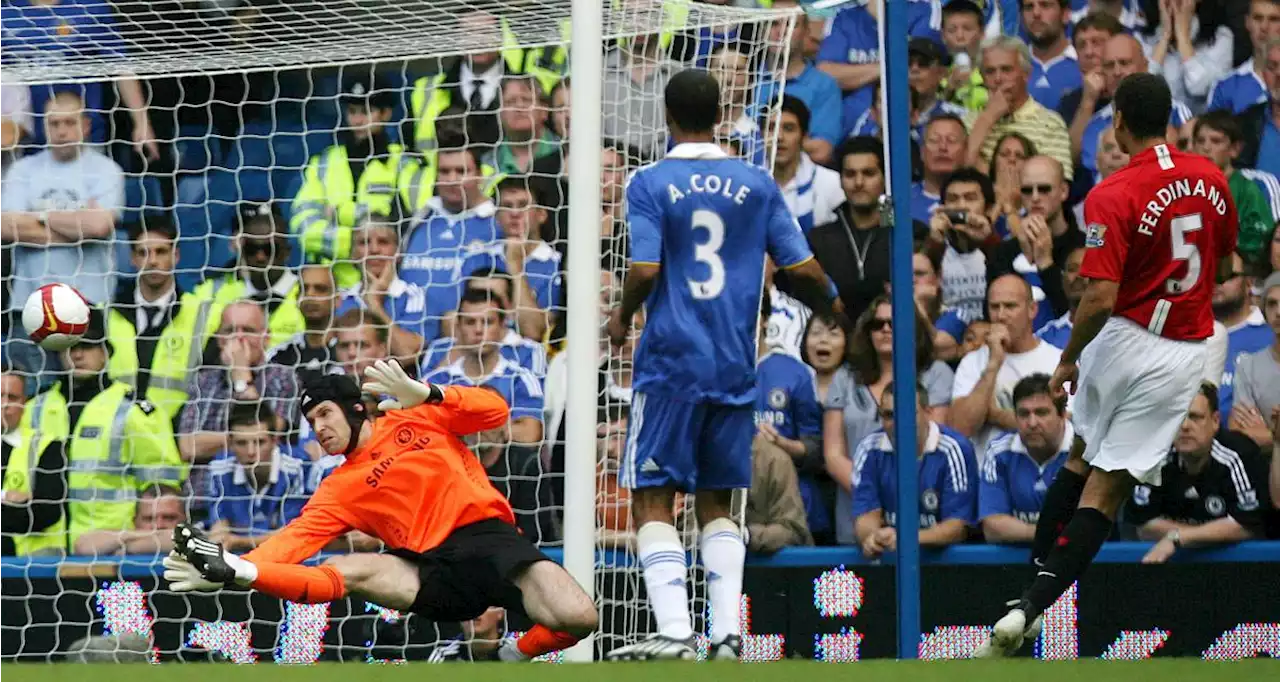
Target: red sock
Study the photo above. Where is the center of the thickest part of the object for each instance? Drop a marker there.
(540, 640)
(302, 584)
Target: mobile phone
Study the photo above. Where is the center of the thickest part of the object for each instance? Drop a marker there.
(958, 217)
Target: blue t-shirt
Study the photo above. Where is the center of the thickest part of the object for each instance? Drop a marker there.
(1269, 149)
(922, 203)
(405, 304)
(52, 33)
(434, 253)
(541, 268)
(819, 91)
(788, 400)
(1101, 119)
(255, 512)
(708, 220)
(526, 353)
(518, 386)
(1012, 482)
(1238, 90)
(948, 478)
(1053, 79)
(1057, 332)
(1250, 337)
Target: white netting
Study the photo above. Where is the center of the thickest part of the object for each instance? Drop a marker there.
(244, 103)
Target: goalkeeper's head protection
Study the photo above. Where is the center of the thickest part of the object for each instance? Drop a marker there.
(317, 387)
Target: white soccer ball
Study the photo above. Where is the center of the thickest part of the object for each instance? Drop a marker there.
(55, 316)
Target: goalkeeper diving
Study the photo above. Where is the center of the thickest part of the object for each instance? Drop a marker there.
(453, 549)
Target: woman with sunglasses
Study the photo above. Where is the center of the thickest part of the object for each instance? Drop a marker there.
(853, 400)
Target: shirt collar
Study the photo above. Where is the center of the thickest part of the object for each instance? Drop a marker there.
(1029, 109)
(12, 439)
(1068, 437)
(697, 150)
(485, 209)
(163, 302)
(490, 76)
(1069, 53)
(281, 288)
(930, 442)
(1255, 319)
(240, 475)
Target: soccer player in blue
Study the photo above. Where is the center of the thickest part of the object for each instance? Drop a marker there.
(1019, 466)
(701, 225)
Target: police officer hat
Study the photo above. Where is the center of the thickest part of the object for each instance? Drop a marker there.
(367, 90)
(96, 333)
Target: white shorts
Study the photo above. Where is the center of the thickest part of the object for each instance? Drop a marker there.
(1135, 389)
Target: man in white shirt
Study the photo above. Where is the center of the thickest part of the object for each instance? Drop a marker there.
(60, 209)
(812, 192)
(982, 395)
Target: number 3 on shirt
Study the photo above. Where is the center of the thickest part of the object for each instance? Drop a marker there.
(1182, 251)
(709, 252)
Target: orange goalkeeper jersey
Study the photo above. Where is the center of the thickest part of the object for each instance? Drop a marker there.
(411, 485)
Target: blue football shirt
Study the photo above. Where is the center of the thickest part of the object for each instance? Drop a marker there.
(251, 511)
(518, 386)
(948, 478)
(1015, 484)
(708, 220)
(1251, 336)
(434, 252)
(1238, 90)
(788, 400)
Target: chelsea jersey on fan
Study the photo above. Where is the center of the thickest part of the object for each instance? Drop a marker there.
(708, 220)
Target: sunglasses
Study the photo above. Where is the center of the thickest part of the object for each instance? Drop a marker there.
(880, 324)
(1028, 190)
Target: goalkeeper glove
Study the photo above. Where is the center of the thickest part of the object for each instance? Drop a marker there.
(389, 378)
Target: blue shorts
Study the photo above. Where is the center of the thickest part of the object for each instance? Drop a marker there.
(688, 446)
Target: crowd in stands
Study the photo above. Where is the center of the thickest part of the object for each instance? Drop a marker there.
(430, 227)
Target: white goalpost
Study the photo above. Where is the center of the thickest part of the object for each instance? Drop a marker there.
(240, 101)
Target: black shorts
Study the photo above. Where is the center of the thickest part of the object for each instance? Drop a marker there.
(471, 571)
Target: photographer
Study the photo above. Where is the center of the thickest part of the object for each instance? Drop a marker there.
(960, 229)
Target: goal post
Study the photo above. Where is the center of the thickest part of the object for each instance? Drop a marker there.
(284, 65)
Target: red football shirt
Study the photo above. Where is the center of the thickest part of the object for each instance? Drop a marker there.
(1158, 227)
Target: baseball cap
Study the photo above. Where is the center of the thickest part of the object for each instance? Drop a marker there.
(929, 50)
(367, 90)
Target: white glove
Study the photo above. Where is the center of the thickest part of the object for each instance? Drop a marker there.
(183, 577)
(389, 378)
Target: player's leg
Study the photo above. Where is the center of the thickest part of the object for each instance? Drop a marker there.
(1060, 502)
(657, 462)
(561, 609)
(724, 465)
(384, 579)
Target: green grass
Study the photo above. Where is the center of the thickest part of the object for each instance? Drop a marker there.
(1159, 670)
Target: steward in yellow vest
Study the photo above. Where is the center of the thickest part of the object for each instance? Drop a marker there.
(151, 324)
(260, 272)
(113, 445)
(366, 174)
(35, 481)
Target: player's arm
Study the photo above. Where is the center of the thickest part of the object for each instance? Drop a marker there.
(1107, 247)
(1094, 311)
(644, 221)
(302, 537)
(789, 249)
(461, 410)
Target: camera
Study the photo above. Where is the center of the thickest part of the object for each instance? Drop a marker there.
(957, 217)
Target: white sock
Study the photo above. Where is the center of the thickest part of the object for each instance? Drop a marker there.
(723, 554)
(246, 572)
(666, 569)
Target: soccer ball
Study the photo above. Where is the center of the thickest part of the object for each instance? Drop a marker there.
(55, 316)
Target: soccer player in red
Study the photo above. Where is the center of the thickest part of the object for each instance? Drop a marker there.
(1158, 230)
(453, 549)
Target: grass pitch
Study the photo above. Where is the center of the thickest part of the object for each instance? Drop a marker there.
(1158, 670)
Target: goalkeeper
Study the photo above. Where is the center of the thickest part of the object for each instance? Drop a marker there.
(410, 482)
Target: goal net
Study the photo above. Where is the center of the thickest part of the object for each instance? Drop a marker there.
(305, 157)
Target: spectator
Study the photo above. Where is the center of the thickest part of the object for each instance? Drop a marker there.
(481, 325)
(803, 80)
(1020, 466)
(811, 191)
(1012, 151)
(854, 248)
(850, 52)
(871, 357)
(824, 348)
(1247, 329)
(89, 419)
(788, 317)
(1089, 38)
(1006, 66)
(1257, 375)
(1209, 490)
(958, 230)
(1218, 138)
(257, 485)
(962, 35)
(392, 303)
(635, 76)
(33, 491)
(1261, 131)
(313, 348)
(942, 152)
(260, 273)
(948, 325)
(614, 244)
(1246, 85)
(1111, 158)
(731, 69)
(366, 173)
(948, 482)
(524, 352)
(533, 266)
(61, 206)
(159, 510)
(1042, 239)
(788, 436)
(982, 397)
(15, 128)
(1058, 332)
(928, 62)
(1194, 48)
(239, 375)
(361, 341)
(460, 218)
(1054, 69)
(151, 323)
(1123, 56)
(613, 502)
(523, 117)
